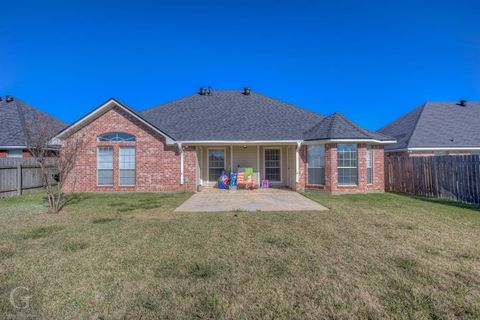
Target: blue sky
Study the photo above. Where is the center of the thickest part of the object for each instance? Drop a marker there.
(371, 60)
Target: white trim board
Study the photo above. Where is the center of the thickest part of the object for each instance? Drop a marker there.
(433, 149)
(372, 141)
(236, 142)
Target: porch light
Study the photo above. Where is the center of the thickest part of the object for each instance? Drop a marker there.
(244, 147)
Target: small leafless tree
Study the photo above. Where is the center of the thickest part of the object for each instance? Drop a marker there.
(56, 159)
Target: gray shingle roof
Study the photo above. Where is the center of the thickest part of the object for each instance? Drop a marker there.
(337, 126)
(231, 115)
(14, 116)
(437, 124)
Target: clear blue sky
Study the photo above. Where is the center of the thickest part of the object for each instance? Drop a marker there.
(371, 60)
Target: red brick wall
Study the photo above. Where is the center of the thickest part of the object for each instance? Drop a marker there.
(157, 165)
(3, 153)
(331, 173)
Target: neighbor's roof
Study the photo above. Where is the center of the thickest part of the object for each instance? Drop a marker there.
(437, 125)
(231, 115)
(337, 126)
(15, 116)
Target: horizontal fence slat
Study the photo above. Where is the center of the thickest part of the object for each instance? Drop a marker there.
(455, 177)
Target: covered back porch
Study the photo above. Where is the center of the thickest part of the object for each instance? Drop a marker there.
(275, 162)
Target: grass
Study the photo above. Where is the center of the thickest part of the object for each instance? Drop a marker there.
(129, 256)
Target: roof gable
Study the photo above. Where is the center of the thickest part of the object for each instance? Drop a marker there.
(16, 122)
(102, 109)
(337, 126)
(437, 125)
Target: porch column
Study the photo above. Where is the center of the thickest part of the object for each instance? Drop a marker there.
(181, 162)
(297, 159)
(231, 158)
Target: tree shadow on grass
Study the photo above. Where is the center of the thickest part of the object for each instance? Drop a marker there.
(446, 202)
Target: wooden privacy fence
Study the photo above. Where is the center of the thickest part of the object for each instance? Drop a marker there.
(21, 175)
(450, 177)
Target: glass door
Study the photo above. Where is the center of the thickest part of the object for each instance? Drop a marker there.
(216, 163)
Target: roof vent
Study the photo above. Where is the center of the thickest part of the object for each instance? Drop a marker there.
(462, 103)
(9, 98)
(202, 91)
(209, 91)
(246, 91)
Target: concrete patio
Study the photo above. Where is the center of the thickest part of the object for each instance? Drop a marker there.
(256, 200)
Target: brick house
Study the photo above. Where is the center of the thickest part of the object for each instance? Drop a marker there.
(16, 117)
(186, 143)
(436, 128)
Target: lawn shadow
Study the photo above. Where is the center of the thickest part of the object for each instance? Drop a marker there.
(446, 202)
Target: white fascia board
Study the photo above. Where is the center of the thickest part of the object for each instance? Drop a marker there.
(373, 141)
(103, 108)
(442, 148)
(13, 147)
(246, 142)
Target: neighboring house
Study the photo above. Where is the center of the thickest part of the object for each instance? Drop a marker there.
(186, 143)
(15, 122)
(436, 128)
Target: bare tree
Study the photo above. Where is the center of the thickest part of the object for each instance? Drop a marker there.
(56, 159)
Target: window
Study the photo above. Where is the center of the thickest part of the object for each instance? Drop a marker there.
(347, 164)
(116, 137)
(273, 171)
(316, 164)
(216, 163)
(127, 166)
(14, 153)
(105, 166)
(369, 164)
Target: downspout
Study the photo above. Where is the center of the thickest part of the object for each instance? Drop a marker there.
(297, 158)
(181, 162)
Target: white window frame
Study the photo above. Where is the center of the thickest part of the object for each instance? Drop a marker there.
(208, 161)
(338, 167)
(120, 166)
(369, 154)
(308, 166)
(15, 155)
(264, 164)
(113, 166)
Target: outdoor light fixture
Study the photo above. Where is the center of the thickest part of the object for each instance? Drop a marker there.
(244, 147)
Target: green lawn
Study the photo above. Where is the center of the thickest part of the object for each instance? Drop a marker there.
(129, 256)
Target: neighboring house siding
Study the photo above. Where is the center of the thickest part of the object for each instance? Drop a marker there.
(25, 154)
(429, 153)
(331, 173)
(157, 165)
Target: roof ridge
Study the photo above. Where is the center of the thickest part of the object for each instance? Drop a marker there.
(168, 102)
(21, 117)
(288, 104)
(330, 126)
(354, 125)
(422, 108)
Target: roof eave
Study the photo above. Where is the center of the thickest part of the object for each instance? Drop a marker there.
(349, 140)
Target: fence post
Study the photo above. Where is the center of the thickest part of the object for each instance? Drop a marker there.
(19, 179)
